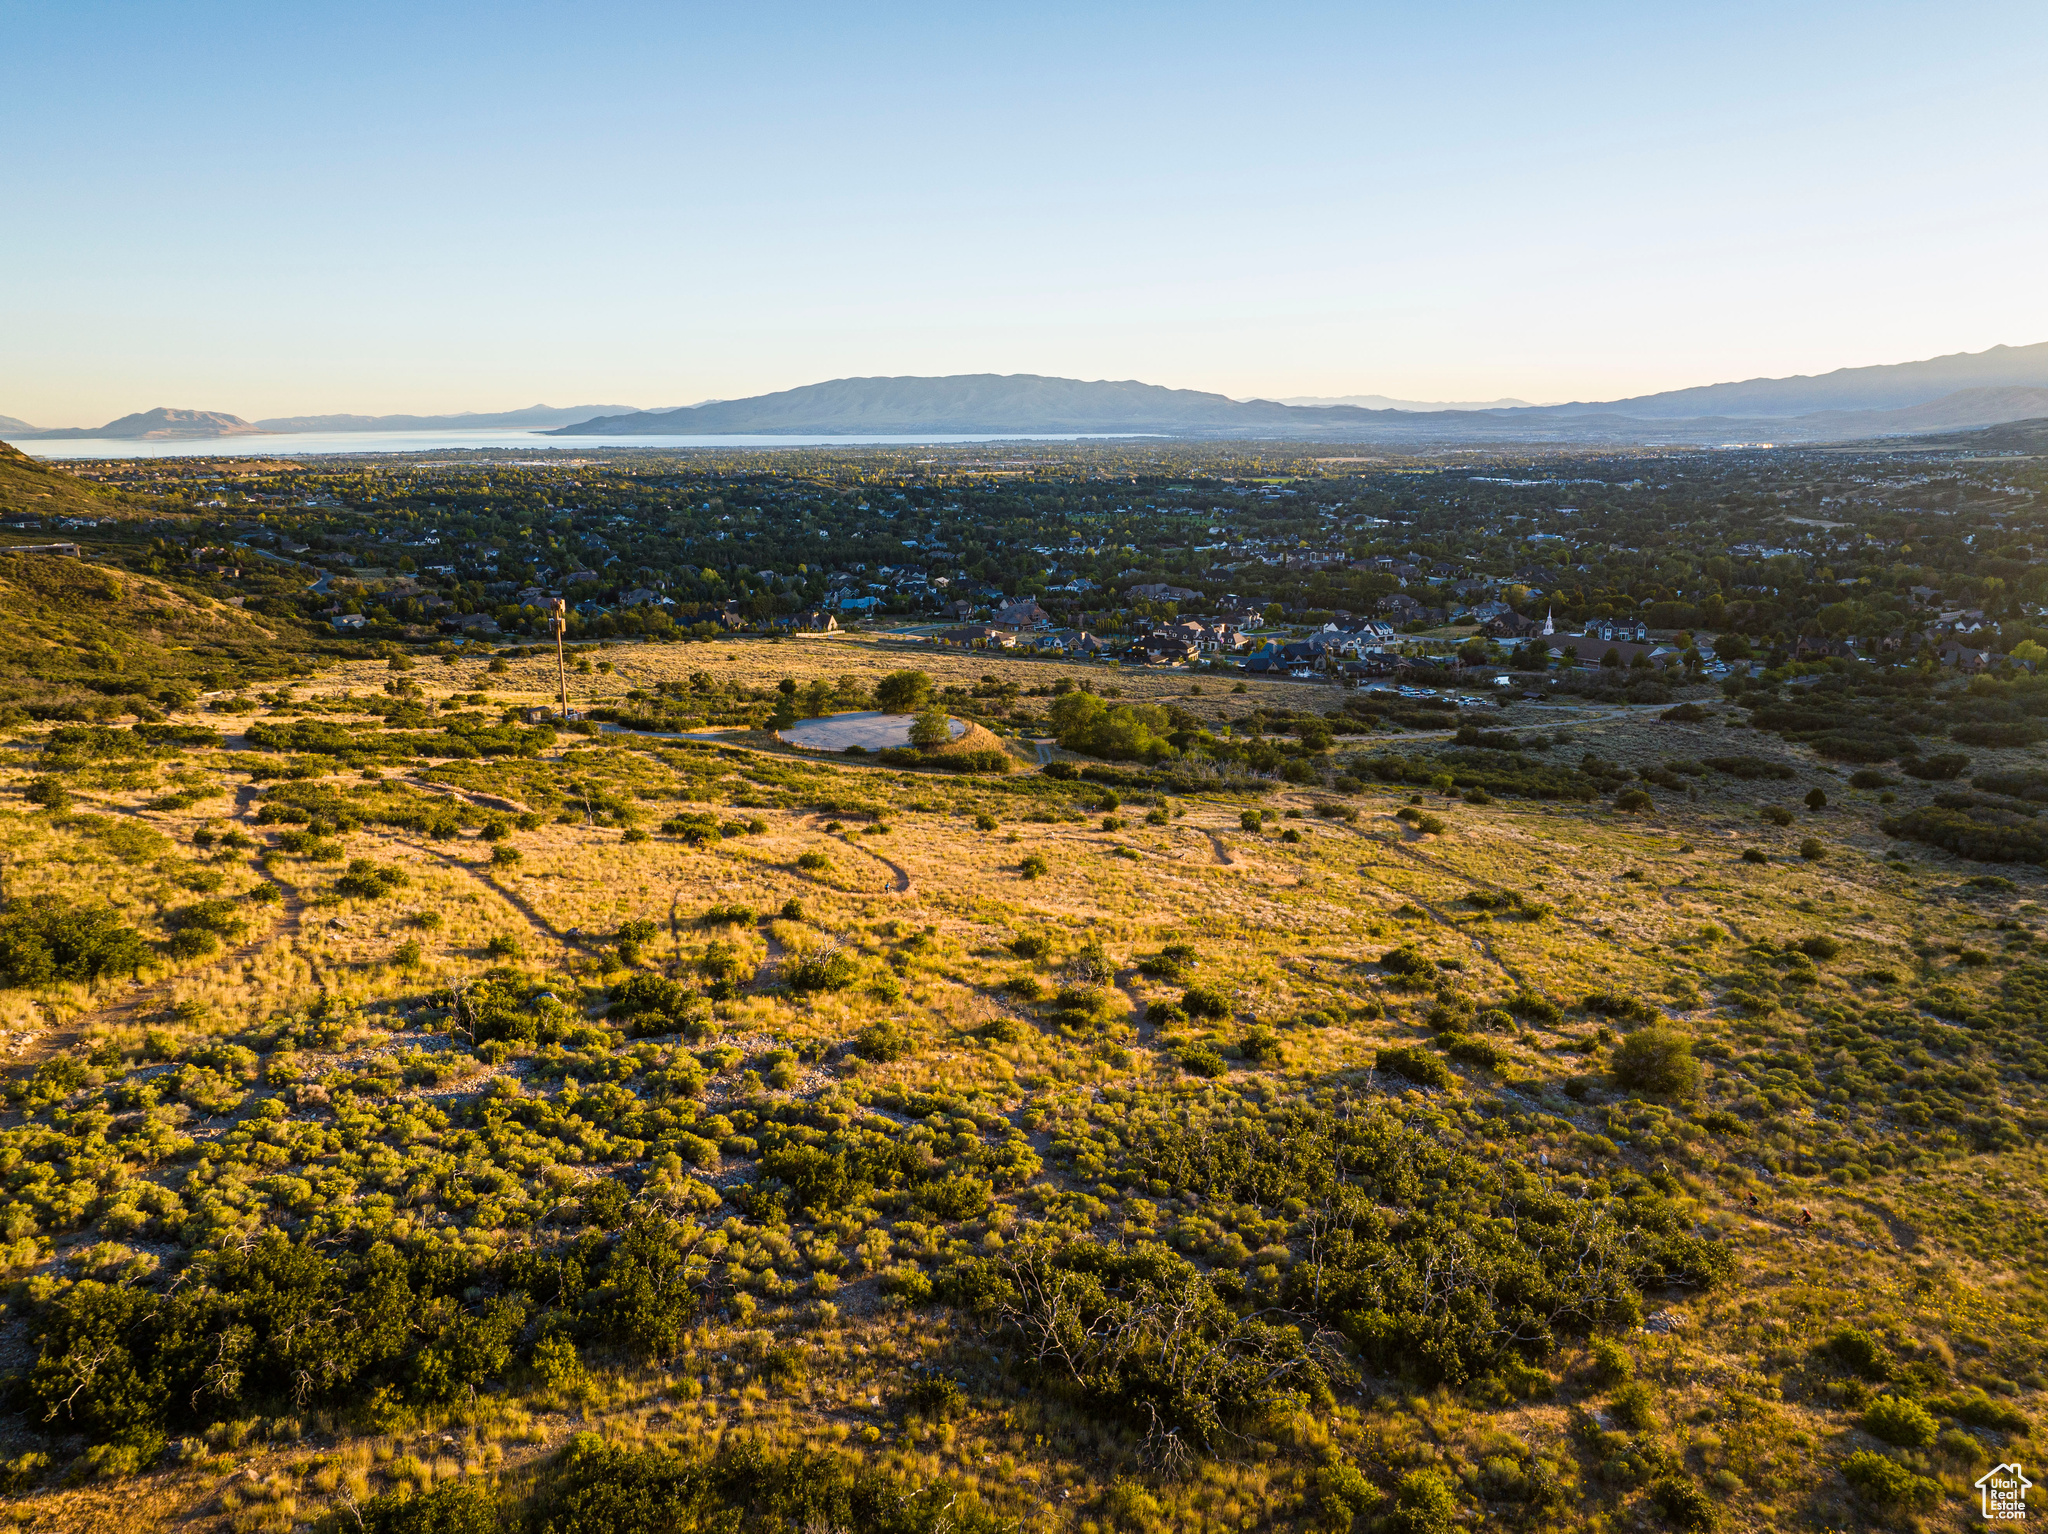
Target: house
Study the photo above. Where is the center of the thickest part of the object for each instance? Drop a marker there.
(1023, 614)
(1160, 591)
(1964, 658)
(1222, 639)
(815, 620)
(579, 577)
(1589, 649)
(476, 625)
(1296, 655)
(62, 550)
(1611, 629)
(640, 596)
(1400, 607)
(1804, 648)
(347, 621)
(1165, 648)
(979, 636)
(1070, 642)
(1510, 624)
(1374, 663)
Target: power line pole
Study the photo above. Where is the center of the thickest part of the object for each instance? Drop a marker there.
(558, 615)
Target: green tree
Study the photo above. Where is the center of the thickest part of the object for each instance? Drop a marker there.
(903, 692)
(931, 729)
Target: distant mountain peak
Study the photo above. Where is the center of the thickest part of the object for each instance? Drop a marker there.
(162, 424)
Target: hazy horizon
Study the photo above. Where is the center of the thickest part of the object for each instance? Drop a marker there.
(382, 210)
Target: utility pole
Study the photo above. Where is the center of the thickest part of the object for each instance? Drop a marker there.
(558, 616)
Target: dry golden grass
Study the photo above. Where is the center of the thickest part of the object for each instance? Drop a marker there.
(1290, 931)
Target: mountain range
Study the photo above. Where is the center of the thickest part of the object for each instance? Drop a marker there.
(1962, 391)
(163, 424)
(1943, 393)
(159, 425)
(535, 417)
(1382, 402)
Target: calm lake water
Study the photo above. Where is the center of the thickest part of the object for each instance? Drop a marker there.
(352, 443)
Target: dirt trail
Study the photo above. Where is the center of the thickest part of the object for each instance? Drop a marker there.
(513, 898)
(125, 1007)
(1222, 849)
(903, 880)
(1444, 918)
(1126, 981)
(482, 801)
(1415, 856)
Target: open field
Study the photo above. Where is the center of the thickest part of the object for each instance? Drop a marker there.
(820, 1070)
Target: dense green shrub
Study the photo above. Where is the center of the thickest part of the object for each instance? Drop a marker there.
(1900, 1421)
(49, 939)
(1860, 1353)
(1981, 1410)
(2014, 732)
(1417, 1065)
(1261, 1046)
(1684, 1503)
(827, 967)
(1937, 768)
(1657, 1059)
(48, 792)
(651, 1005)
(1424, 1503)
(1885, 1483)
(1138, 1334)
(2019, 783)
(457, 1507)
(366, 880)
(1407, 962)
(1203, 1060)
(1979, 832)
(596, 1485)
(1749, 768)
(1205, 1002)
(1484, 1054)
(884, 1041)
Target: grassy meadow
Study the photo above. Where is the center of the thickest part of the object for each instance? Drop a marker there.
(1137, 1152)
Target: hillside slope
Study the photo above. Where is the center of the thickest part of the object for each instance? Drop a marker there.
(29, 486)
(1889, 386)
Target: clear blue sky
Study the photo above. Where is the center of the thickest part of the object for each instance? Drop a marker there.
(271, 209)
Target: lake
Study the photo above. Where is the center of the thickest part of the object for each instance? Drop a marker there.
(354, 443)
